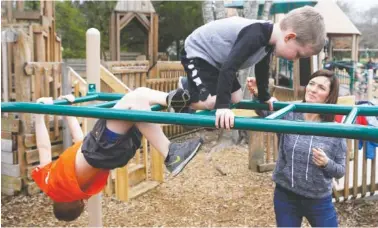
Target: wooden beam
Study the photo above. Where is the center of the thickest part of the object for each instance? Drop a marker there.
(32, 156)
(26, 15)
(7, 145)
(256, 150)
(9, 11)
(118, 38)
(354, 48)
(157, 160)
(151, 40)
(112, 36)
(144, 21)
(30, 139)
(10, 170)
(8, 157)
(112, 81)
(122, 184)
(125, 20)
(266, 167)
(10, 125)
(296, 79)
(155, 44)
(10, 182)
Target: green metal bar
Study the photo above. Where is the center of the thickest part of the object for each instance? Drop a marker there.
(280, 126)
(111, 104)
(88, 98)
(109, 96)
(312, 108)
(281, 112)
(352, 116)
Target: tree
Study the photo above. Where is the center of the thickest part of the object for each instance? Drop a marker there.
(73, 19)
(208, 11)
(176, 21)
(97, 15)
(71, 27)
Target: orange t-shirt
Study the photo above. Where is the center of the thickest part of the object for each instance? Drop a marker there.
(58, 179)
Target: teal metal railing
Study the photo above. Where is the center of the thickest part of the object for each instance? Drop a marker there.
(272, 123)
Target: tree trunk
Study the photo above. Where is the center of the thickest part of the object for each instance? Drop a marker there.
(220, 10)
(207, 11)
(266, 11)
(250, 9)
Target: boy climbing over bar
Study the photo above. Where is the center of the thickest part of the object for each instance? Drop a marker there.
(82, 170)
(214, 53)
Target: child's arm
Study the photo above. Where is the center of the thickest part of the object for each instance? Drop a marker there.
(251, 85)
(250, 40)
(262, 78)
(73, 123)
(42, 135)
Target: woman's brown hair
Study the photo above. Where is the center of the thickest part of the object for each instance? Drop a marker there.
(333, 91)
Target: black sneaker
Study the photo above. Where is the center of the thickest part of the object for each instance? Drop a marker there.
(178, 99)
(180, 154)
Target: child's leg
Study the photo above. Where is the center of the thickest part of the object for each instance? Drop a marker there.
(177, 155)
(142, 99)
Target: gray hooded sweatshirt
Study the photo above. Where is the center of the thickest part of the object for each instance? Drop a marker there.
(295, 170)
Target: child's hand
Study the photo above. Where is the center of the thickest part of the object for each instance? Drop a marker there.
(45, 100)
(69, 97)
(224, 118)
(319, 157)
(251, 85)
(270, 103)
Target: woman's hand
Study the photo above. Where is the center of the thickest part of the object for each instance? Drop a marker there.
(319, 157)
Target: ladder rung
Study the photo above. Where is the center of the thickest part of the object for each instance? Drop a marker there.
(282, 112)
(352, 116)
(134, 167)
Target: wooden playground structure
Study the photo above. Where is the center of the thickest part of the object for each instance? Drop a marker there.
(33, 68)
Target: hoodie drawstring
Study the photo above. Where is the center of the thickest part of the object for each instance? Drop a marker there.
(292, 163)
(308, 157)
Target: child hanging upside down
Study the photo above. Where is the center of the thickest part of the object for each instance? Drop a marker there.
(82, 170)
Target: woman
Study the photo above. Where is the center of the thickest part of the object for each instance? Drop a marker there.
(307, 164)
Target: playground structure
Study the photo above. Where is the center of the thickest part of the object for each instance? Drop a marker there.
(50, 79)
(32, 67)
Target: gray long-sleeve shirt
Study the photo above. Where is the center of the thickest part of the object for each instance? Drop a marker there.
(231, 44)
(295, 169)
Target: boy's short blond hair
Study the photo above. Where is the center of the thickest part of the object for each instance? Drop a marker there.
(309, 26)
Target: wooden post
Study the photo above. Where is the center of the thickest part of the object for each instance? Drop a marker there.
(157, 161)
(113, 37)
(20, 5)
(256, 150)
(93, 77)
(370, 85)
(66, 84)
(296, 79)
(4, 66)
(118, 38)
(9, 11)
(354, 49)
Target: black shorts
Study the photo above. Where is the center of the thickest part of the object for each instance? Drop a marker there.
(104, 154)
(207, 73)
